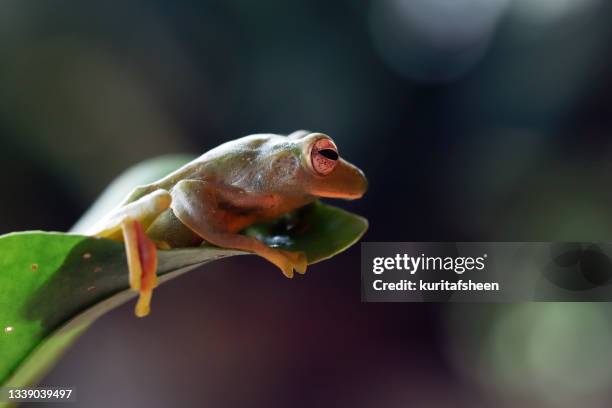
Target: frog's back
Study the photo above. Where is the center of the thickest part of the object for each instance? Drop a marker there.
(237, 162)
(232, 156)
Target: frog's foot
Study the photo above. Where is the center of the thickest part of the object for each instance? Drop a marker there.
(289, 261)
(142, 263)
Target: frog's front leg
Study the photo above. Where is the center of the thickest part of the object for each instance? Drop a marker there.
(199, 205)
(128, 224)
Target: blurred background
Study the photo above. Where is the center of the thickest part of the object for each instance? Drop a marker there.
(473, 119)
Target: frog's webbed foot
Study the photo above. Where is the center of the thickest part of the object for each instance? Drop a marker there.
(289, 261)
(142, 263)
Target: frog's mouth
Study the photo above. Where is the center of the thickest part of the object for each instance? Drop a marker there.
(346, 181)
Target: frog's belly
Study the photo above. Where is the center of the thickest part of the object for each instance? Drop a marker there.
(168, 231)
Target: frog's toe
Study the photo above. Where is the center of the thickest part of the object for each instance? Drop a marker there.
(279, 259)
(143, 305)
(287, 269)
(301, 263)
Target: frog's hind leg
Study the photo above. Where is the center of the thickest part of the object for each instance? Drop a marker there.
(196, 204)
(128, 224)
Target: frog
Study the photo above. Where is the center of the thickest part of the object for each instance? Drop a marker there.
(210, 200)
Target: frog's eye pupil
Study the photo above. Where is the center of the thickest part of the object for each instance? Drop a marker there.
(329, 153)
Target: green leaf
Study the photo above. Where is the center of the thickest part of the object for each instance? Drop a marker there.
(54, 285)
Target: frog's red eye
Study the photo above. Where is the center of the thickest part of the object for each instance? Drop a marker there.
(323, 156)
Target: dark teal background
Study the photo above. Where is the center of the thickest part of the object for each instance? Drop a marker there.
(473, 120)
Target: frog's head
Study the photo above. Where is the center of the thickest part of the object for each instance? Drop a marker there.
(324, 172)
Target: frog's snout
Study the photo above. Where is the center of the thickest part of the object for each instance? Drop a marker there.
(355, 182)
(346, 181)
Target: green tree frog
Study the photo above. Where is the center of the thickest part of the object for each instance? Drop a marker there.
(211, 199)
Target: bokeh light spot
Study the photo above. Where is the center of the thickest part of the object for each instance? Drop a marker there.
(433, 40)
